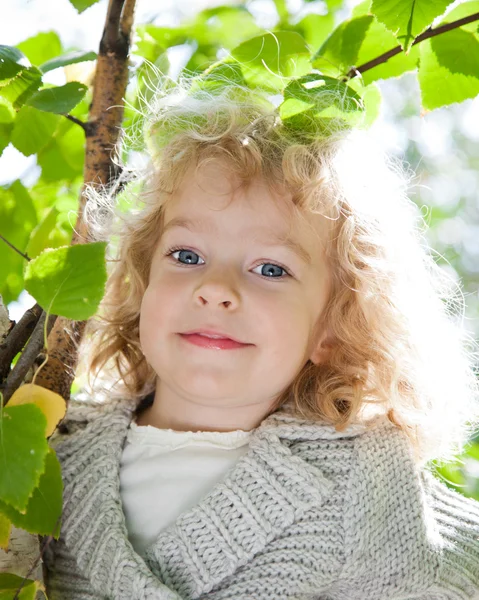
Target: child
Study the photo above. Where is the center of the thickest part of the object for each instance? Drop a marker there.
(285, 371)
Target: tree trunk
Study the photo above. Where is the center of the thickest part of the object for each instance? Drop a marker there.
(102, 131)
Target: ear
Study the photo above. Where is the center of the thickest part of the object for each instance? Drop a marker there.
(322, 348)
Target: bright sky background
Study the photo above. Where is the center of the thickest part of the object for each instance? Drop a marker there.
(25, 18)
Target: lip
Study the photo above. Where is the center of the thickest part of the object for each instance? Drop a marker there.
(219, 342)
(213, 334)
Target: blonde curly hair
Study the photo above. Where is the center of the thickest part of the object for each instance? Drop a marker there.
(393, 313)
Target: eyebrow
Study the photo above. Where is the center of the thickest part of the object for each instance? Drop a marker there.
(273, 239)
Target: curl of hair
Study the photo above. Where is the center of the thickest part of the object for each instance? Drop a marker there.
(397, 344)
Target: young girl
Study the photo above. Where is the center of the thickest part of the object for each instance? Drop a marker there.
(283, 368)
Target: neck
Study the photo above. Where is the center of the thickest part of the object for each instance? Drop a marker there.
(173, 411)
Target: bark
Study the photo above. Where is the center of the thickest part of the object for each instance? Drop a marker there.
(5, 323)
(17, 336)
(23, 551)
(102, 131)
(28, 357)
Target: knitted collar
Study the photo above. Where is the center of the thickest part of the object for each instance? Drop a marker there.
(266, 490)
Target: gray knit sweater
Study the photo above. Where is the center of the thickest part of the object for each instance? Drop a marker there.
(306, 513)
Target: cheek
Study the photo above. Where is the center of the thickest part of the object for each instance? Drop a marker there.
(153, 314)
(286, 322)
(159, 309)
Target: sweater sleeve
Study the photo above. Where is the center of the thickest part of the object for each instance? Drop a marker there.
(60, 571)
(407, 535)
(455, 526)
(61, 575)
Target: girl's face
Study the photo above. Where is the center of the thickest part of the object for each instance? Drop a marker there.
(223, 263)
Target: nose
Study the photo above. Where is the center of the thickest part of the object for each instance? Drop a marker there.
(217, 291)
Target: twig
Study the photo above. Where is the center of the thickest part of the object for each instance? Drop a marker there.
(17, 338)
(26, 360)
(13, 247)
(83, 125)
(429, 33)
(111, 33)
(126, 22)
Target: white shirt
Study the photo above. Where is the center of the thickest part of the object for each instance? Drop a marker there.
(165, 472)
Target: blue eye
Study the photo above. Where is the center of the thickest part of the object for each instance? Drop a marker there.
(189, 257)
(271, 270)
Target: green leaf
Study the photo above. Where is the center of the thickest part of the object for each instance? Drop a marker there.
(155, 68)
(163, 36)
(342, 46)
(5, 133)
(33, 129)
(17, 220)
(68, 281)
(63, 157)
(201, 59)
(222, 27)
(81, 5)
(10, 583)
(45, 505)
(70, 139)
(316, 28)
(59, 100)
(378, 40)
(371, 99)
(448, 69)
(54, 165)
(464, 9)
(281, 9)
(406, 19)
(19, 88)
(7, 114)
(40, 237)
(457, 51)
(270, 59)
(59, 199)
(322, 92)
(70, 58)
(317, 105)
(292, 106)
(333, 4)
(214, 78)
(453, 474)
(9, 62)
(41, 47)
(361, 9)
(23, 449)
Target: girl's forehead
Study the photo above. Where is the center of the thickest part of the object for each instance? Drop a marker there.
(214, 186)
(213, 192)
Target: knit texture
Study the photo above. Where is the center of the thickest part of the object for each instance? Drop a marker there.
(306, 513)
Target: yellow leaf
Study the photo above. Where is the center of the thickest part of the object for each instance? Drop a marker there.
(50, 403)
(5, 527)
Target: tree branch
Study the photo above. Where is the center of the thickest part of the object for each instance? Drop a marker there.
(17, 338)
(111, 33)
(127, 14)
(5, 323)
(14, 248)
(26, 360)
(83, 125)
(429, 33)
